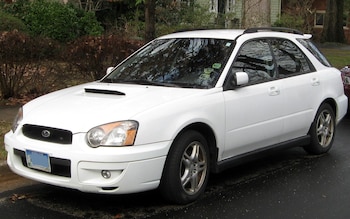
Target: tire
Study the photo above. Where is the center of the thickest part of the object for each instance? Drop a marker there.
(322, 131)
(186, 170)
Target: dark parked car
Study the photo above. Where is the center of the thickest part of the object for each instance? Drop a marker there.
(345, 74)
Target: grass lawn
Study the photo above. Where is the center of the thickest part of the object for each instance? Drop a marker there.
(337, 57)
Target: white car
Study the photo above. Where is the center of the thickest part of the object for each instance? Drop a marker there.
(184, 105)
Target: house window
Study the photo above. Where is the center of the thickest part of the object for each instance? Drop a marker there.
(214, 6)
(230, 6)
(319, 18)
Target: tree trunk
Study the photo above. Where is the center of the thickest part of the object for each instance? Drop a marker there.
(150, 18)
(333, 23)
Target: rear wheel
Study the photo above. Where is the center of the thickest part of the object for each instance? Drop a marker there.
(186, 170)
(322, 131)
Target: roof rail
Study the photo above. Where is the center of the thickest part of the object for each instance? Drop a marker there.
(277, 29)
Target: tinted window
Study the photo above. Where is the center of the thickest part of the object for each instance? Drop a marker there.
(314, 50)
(255, 59)
(175, 62)
(289, 59)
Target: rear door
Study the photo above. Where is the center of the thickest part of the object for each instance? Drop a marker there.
(301, 86)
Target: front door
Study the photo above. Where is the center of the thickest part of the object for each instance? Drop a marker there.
(254, 112)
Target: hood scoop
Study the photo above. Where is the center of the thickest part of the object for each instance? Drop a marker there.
(103, 91)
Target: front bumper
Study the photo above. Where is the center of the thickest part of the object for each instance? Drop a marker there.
(77, 166)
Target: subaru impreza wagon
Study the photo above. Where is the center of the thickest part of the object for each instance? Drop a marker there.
(183, 106)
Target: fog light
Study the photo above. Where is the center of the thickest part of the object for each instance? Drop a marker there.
(106, 174)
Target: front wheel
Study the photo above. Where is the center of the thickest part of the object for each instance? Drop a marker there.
(322, 131)
(186, 169)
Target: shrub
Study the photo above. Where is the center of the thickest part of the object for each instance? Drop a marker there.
(52, 19)
(21, 61)
(92, 55)
(59, 21)
(15, 54)
(295, 22)
(88, 24)
(9, 22)
(16, 8)
(180, 16)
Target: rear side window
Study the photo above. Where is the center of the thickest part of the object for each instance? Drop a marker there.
(315, 51)
(290, 59)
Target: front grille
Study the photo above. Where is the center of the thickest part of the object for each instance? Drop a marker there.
(48, 134)
(59, 167)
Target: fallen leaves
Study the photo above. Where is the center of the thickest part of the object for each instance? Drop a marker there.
(17, 197)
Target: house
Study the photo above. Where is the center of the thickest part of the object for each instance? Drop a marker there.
(245, 13)
(264, 13)
(319, 8)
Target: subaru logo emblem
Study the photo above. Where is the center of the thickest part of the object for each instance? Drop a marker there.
(45, 133)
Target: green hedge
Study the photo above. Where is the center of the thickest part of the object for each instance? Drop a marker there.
(9, 22)
(58, 21)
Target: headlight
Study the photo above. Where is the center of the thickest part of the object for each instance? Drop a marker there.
(113, 134)
(17, 119)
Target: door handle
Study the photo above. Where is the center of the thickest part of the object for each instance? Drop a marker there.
(315, 82)
(274, 91)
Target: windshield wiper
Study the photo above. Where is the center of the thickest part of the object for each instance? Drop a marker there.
(190, 85)
(155, 83)
(146, 82)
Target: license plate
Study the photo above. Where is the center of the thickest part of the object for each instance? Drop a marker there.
(38, 160)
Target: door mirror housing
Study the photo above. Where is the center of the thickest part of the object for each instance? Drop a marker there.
(242, 78)
(235, 79)
(109, 70)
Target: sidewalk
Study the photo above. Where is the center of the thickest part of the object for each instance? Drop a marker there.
(8, 113)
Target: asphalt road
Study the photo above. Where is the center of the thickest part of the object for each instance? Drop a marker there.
(290, 184)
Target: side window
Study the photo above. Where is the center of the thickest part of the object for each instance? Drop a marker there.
(255, 59)
(289, 59)
(315, 51)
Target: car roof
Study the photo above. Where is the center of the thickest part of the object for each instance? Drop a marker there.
(233, 34)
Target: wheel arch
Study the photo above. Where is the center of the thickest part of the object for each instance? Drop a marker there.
(332, 103)
(209, 135)
(322, 129)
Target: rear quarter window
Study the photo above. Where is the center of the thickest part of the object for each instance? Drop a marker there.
(315, 51)
(290, 59)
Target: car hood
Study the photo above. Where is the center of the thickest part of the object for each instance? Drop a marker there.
(83, 107)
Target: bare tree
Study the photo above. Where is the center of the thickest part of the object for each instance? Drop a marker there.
(90, 5)
(300, 14)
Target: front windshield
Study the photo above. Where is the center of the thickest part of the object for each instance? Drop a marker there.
(193, 63)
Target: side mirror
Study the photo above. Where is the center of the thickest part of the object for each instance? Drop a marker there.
(109, 70)
(241, 78)
(235, 79)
